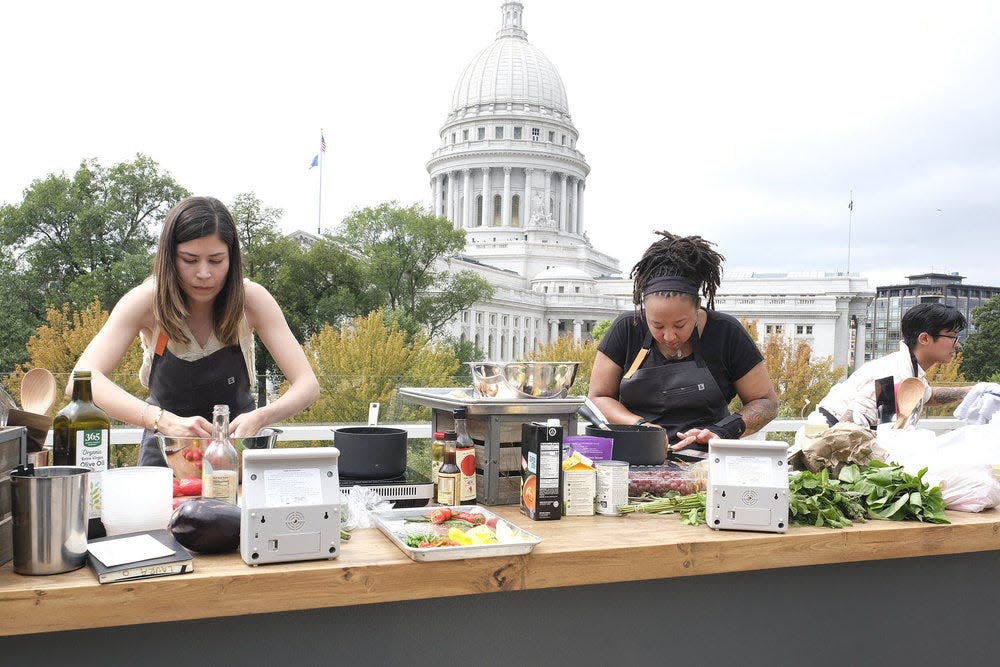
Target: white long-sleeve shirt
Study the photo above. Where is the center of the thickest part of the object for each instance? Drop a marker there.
(856, 394)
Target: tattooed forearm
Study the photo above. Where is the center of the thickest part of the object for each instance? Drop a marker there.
(757, 413)
(945, 395)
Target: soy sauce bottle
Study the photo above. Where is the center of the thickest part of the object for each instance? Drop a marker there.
(81, 435)
(449, 476)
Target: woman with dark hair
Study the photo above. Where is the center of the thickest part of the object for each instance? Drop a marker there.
(676, 364)
(196, 319)
(930, 336)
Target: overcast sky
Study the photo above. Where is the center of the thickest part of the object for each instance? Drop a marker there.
(747, 122)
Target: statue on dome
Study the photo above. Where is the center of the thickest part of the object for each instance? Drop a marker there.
(539, 216)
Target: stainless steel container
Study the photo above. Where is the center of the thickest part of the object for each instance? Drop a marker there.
(50, 518)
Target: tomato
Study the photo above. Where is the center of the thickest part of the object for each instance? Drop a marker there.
(190, 486)
(441, 515)
(474, 518)
(492, 523)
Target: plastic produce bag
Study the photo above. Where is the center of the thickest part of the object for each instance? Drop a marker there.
(358, 505)
(966, 487)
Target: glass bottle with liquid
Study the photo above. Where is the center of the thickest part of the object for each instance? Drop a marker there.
(220, 464)
(437, 457)
(81, 436)
(449, 476)
(465, 458)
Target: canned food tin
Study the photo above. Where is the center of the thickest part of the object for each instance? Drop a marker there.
(612, 486)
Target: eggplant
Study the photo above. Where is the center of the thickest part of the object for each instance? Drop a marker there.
(207, 525)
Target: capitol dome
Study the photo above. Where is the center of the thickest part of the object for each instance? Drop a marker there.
(510, 70)
(508, 170)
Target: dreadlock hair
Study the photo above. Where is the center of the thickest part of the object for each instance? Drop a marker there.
(673, 256)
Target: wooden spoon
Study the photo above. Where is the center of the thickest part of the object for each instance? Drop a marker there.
(908, 398)
(38, 391)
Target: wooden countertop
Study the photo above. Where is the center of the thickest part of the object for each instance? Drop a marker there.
(370, 569)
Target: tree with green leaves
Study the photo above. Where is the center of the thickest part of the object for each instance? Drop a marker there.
(981, 349)
(76, 238)
(403, 254)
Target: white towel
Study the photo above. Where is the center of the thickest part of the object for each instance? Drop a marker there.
(980, 404)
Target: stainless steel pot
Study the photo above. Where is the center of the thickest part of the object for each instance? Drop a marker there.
(636, 445)
(49, 507)
(370, 452)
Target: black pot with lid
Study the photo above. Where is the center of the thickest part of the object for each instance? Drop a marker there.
(370, 452)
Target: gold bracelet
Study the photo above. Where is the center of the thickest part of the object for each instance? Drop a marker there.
(156, 422)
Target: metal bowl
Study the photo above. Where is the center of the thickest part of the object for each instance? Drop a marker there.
(540, 379)
(183, 467)
(487, 378)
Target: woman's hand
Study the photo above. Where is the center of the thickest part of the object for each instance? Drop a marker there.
(692, 437)
(248, 424)
(184, 427)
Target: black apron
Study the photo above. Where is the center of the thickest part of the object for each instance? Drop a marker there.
(678, 395)
(189, 388)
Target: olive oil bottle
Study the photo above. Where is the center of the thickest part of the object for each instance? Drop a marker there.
(81, 435)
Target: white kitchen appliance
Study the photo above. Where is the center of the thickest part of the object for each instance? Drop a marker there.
(747, 485)
(291, 505)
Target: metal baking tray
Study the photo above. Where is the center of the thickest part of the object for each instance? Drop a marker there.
(445, 398)
(391, 523)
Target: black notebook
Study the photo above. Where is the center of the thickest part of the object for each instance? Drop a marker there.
(135, 556)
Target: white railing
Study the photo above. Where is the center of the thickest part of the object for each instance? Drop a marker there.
(305, 432)
(289, 432)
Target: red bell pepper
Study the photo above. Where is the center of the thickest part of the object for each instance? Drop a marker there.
(440, 515)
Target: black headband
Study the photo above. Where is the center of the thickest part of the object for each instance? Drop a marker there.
(670, 284)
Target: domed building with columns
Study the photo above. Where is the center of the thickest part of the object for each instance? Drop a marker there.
(508, 171)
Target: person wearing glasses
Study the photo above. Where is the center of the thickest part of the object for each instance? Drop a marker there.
(930, 336)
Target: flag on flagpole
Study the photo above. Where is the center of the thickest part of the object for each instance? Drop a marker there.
(850, 206)
(315, 162)
(322, 142)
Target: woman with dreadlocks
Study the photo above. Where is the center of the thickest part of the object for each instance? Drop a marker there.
(675, 363)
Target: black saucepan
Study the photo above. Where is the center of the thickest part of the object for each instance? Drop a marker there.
(636, 445)
(370, 452)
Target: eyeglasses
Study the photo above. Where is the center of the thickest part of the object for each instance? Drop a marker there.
(954, 339)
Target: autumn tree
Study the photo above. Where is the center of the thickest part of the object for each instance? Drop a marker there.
(58, 343)
(565, 348)
(799, 381)
(367, 360)
(945, 375)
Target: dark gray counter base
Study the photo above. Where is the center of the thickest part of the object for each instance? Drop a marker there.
(918, 611)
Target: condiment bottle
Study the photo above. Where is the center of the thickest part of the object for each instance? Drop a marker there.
(465, 458)
(437, 457)
(449, 476)
(220, 464)
(81, 435)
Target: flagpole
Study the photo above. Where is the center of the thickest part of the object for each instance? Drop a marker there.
(850, 220)
(319, 207)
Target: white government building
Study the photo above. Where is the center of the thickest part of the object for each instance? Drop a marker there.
(508, 171)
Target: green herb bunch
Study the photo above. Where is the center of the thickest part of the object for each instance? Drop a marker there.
(816, 499)
(891, 493)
